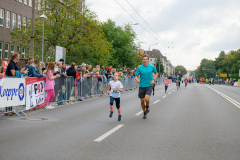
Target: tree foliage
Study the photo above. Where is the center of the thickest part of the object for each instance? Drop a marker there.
(159, 63)
(122, 40)
(224, 64)
(79, 32)
(180, 68)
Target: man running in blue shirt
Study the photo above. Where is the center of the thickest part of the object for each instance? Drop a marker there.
(146, 81)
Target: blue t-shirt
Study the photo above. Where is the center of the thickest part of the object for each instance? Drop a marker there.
(146, 75)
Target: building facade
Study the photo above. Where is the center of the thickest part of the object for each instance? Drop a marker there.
(14, 13)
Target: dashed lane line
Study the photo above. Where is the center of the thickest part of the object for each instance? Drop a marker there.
(108, 133)
(164, 96)
(139, 113)
(237, 104)
(169, 93)
(156, 101)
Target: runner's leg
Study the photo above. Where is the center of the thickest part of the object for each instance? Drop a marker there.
(143, 104)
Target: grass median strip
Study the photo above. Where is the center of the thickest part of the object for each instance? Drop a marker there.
(99, 139)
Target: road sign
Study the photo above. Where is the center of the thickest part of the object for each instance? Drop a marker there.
(229, 75)
(60, 53)
(223, 75)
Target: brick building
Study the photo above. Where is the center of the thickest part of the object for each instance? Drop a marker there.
(13, 13)
(16, 13)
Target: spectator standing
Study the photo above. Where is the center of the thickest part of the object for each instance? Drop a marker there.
(28, 65)
(71, 71)
(34, 69)
(58, 67)
(13, 66)
(49, 85)
(44, 71)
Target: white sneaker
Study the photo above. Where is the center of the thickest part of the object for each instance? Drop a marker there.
(48, 107)
(51, 106)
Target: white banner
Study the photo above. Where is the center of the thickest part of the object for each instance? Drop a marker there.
(12, 92)
(35, 93)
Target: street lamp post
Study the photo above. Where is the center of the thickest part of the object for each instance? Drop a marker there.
(43, 17)
(151, 45)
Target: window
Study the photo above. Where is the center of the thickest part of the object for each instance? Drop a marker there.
(1, 49)
(30, 3)
(1, 16)
(25, 2)
(18, 49)
(12, 48)
(19, 21)
(8, 19)
(29, 23)
(23, 52)
(20, 1)
(25, 22)
(14, 18)
(6, 50)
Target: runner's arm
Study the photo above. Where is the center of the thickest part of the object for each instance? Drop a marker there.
(136, 78)
(108, 89)
(154, 79)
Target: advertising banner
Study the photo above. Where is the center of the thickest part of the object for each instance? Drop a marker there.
(12, 92)
(35, 93)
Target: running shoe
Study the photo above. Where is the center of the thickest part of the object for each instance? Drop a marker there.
(147, 109)
(145, 115)
(119, 117)
(110, 115)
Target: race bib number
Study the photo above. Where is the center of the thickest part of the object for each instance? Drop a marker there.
(114, 91)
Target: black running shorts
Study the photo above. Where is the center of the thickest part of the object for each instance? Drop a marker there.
(145, 91)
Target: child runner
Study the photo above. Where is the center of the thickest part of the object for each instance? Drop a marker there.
(185, 81)
(166, 82)
(49, 86)
(116, 87)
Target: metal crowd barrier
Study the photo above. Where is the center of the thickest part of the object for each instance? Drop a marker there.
(67, 89)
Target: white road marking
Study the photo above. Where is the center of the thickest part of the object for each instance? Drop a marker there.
(169, 93)
(108, 133)
(139, 113)
(173, 90)
(164, 96)
(156, 102)
(237, 104)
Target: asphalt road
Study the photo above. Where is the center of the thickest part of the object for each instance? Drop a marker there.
(201, 122)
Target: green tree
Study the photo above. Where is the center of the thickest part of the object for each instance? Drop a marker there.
(159, 63)
(180, 68)
(79, 32)
(122, 40)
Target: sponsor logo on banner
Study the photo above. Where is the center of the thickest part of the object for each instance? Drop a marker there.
(12, 92)
(35, 93)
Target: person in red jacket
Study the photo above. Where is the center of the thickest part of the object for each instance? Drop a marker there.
(185, 81)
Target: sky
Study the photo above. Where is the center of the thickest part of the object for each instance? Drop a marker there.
(185, 31)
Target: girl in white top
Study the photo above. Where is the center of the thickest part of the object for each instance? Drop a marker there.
(116, 89)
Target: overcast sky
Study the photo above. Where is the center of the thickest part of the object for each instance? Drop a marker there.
(186, 30)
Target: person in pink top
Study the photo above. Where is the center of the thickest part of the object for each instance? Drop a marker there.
(49, 85)
(166, 82)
